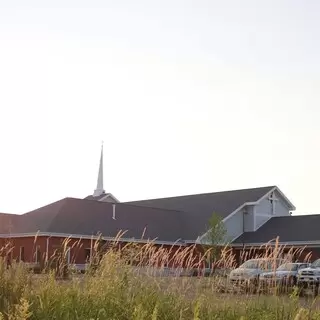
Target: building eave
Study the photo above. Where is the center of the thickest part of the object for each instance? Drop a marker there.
(179, 242)
(312, 243)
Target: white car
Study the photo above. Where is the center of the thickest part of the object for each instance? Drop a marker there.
(310, 275)
(287, 274)
(250, 270)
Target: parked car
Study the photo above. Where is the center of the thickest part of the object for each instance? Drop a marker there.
(285, 274)
(310, 275)
(309, 279)
(251, 270)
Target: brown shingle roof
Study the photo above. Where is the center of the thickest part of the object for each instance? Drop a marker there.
(167, 219)
(222, 203)
(7, 222)
(199, 208)
(87, 217)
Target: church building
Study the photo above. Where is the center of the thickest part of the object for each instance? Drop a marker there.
(252, 217)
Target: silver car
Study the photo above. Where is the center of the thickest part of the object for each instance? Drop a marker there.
(286, 274)
(250, 270)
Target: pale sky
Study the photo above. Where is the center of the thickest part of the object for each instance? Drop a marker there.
(188, 96)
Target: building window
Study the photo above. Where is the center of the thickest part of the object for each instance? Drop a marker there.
(21, 254)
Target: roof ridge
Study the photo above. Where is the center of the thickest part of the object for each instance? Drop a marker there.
(157, 208)
(128, 204)
(63, 203)
(199, 194)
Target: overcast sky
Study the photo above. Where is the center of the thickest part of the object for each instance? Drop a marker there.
(188, 96)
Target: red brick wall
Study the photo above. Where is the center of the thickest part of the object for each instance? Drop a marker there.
(30, 244)
(77, 249)
(174, 255)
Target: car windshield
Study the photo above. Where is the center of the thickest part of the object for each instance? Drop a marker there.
(315, 264)
(288, 267)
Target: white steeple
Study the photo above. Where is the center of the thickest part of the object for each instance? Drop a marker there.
(99, 190)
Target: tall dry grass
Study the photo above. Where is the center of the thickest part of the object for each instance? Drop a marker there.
(128, 282)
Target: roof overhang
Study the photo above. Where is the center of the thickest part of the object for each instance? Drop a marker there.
(179, 242)
(314, 243)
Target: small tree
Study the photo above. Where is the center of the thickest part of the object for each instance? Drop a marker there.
(215, 239)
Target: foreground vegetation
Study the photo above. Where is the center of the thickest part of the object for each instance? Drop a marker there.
(115, 290)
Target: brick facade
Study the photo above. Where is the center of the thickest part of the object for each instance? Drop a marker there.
(38, 250)
(43, 248)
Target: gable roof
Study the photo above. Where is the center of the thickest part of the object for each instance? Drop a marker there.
(300, 228)
(222, 203)
(167, 219)
(85, 217)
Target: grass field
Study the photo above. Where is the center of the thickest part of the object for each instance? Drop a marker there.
(116, 291)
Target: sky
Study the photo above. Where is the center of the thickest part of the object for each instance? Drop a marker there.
(188, 97)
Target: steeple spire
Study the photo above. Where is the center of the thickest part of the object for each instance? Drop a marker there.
(99, 190)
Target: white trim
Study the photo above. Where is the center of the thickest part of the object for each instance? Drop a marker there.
(191, 241)
(238, 209)
(37, 258)
(291, 206)
(20, 254)
(289, 243)
(47, 249)
(105, 197)
(114, 211)
(179, 242)
(111, 196)
(254, 219)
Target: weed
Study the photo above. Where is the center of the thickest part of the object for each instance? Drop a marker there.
(123, 283)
